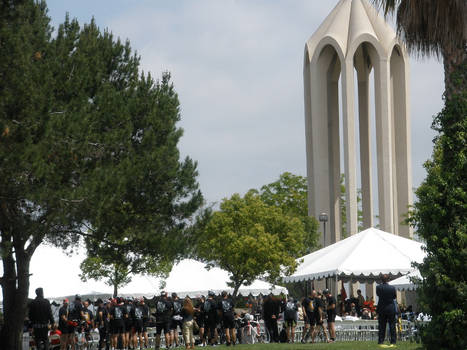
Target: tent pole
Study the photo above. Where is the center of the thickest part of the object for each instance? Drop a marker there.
(337, 286)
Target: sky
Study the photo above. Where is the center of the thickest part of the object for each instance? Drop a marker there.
(237, 67)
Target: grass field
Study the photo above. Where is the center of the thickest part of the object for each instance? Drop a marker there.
(321, 346)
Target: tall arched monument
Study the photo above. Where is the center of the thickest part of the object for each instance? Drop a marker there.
(351, 42)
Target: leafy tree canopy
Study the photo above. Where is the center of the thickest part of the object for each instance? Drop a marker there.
(119, 273)
(251, 239)
(290, 194)
(88, 149)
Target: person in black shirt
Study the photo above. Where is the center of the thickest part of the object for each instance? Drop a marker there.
(386, 310)
(307, 308)
(317, 320)
(271, 312)
(226, 307)
(65, 338)
(40, 316)
(212, 318)
(117, 323)
(128, 304)
(137, 315)
(88, 318)
(177, 319)
(102, 323)
(290, 318)
(145, 310)
(75, 316)
(200, 318)
(331, 311)
(164, 310)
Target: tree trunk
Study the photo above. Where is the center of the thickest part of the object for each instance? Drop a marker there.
(115, 290)
(236, 288)
(15, 287)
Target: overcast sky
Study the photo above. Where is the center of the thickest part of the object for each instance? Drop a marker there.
(237, 66)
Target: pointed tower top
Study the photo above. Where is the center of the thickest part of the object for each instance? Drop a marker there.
(349, 24)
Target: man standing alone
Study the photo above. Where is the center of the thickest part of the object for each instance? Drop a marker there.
(40, 316)
(386, 310)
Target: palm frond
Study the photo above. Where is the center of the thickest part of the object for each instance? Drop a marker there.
(429, 26)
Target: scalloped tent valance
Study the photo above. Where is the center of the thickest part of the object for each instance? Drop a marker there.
(361, 257)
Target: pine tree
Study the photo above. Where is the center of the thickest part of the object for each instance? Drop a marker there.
(88, 150)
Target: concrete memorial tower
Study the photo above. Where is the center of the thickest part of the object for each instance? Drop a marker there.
(352, 41)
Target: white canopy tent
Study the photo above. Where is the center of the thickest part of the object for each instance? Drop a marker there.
(361, 257)
(190, 277)
(404, 283)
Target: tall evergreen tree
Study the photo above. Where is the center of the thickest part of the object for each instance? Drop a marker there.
(88, 149)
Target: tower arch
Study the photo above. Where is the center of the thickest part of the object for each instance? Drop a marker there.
(334, 53)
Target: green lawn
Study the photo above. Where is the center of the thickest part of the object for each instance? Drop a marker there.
(321, 346)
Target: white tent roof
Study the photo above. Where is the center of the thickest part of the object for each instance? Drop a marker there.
(190, 277)
(364, 255)
(404, 283)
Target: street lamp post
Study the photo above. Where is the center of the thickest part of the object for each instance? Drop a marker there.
(323, 217)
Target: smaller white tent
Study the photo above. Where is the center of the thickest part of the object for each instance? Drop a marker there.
(404, 283)
(363, 256)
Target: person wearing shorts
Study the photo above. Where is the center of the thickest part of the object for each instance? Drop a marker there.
(75, 316)
(128, 323)
(164, 310)
(145, 309)
(226, 306)
(317, 320)
(117, 323)
(200, 318)
(65, 338)
(102, 323)
(177, 319)
(212, 318)
(307, 308)
(331, 311)
(136, 315)
(290, 318)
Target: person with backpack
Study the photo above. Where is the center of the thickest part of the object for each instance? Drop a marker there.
(290, 318)
(226, 306)
(40, 316)
(212, 318)
(164, 309)
(177, 319)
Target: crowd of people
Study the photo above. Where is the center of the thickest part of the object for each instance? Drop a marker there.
(122, 323)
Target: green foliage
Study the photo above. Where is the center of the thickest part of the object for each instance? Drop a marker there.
(251, 239)
(118, 274)
(440, 218)
(88, 149)
(290, 194)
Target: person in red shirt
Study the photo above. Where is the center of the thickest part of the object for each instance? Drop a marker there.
(54, 337)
